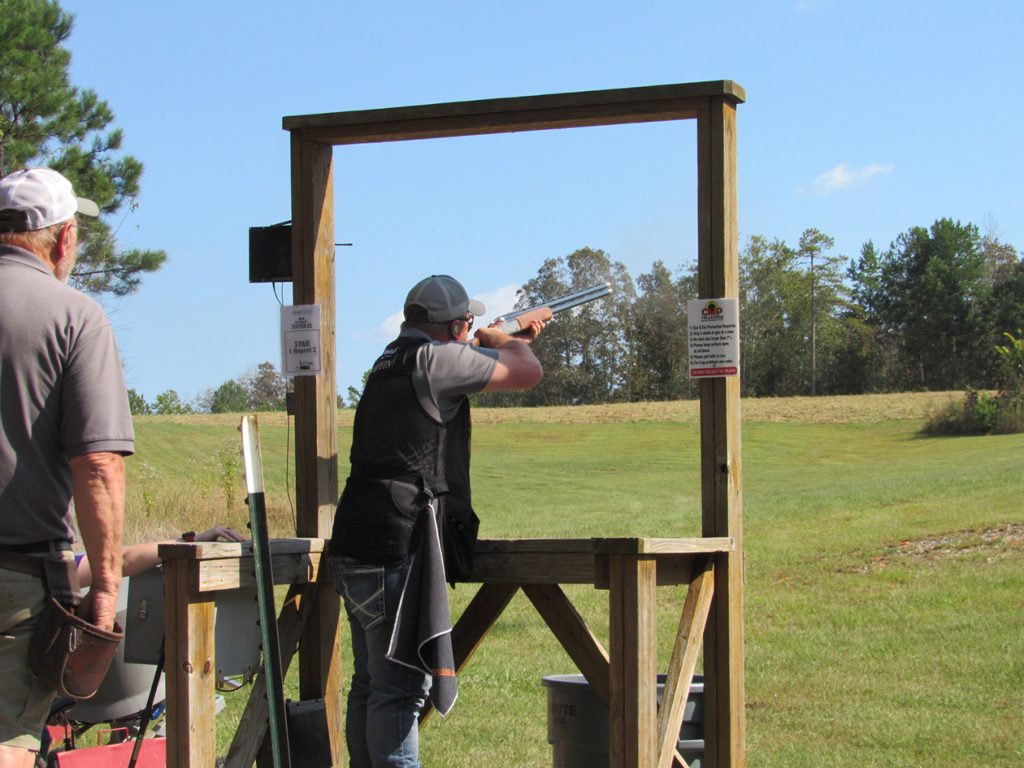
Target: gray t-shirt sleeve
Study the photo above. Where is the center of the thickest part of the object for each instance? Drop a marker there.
(96, 416)
(446, 373)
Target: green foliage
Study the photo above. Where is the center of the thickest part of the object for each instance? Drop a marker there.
(1011, 360)
(931, 284)
(585, 351)
(137, 404)
(229, 397)
(45, 120)
(265, 388)
(982, 413)
(169, 403)
(659, 369)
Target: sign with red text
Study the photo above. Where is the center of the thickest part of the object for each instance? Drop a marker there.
(714, 334)
(300, 340)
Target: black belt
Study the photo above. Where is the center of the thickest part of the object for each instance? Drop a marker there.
(37, 547)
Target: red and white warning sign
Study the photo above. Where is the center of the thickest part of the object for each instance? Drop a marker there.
(714, 333)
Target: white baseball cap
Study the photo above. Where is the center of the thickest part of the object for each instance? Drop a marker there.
(37, 198)
(440, 298)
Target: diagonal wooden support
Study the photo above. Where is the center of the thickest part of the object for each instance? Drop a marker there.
(475, 622)
(253, 725)
(573, 633)
(684, 661)
(477, 619)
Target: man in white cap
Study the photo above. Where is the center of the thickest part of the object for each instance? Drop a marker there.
(65, 427)
(410, 449)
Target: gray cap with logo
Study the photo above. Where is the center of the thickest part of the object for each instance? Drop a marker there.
(439, 298)
(37, 198)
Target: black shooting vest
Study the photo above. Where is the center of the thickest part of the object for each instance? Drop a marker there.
(401, 456)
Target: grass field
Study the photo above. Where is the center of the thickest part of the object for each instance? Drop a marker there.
(884, 576)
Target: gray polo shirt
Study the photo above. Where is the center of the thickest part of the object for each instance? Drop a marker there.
(62, 394)
(446, 373)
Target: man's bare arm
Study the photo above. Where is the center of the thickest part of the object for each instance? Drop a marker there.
(517, 367)
(99, 490)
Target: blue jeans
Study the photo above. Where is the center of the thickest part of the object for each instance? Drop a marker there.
(384, 702)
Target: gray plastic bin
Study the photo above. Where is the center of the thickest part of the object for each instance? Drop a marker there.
(578, 723)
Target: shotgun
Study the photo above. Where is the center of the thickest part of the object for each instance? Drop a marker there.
(514, 322)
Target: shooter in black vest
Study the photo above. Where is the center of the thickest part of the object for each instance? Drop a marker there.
(410, 452)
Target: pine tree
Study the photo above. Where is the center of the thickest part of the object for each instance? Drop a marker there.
(47, 121)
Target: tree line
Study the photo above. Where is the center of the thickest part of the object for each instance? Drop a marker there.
(262, 389)
(932, 311)
(929, 312)
(47, 121)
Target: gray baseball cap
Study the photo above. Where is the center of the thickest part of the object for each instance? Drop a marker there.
(37, 198)
(441, 298)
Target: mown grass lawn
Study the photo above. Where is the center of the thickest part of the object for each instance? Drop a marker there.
(884, 571)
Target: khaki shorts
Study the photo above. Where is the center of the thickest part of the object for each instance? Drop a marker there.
(24, 704)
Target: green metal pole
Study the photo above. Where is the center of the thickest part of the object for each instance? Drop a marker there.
(272, 671)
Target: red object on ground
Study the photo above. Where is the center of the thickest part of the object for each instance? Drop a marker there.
(152, 755)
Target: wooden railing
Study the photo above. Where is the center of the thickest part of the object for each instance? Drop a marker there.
(624, 675)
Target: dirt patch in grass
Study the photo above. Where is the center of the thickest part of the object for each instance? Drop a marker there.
(988, 544)
(999, 540)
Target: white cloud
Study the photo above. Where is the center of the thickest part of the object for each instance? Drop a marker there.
(499, 301)
(845, 176)
(388, 329)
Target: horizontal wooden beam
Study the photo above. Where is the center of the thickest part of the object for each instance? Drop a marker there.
(212, 550)
(528, 113)
(585, 561)
(215, 566)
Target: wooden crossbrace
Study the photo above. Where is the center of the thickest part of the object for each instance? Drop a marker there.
(683, 662)
(573, 633)
(253, 726)
(473, 625)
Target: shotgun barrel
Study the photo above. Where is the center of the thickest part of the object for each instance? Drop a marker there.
(514, 322)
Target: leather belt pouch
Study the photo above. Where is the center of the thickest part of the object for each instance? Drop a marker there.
(69, 654)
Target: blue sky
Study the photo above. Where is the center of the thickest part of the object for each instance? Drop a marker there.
(862, 120)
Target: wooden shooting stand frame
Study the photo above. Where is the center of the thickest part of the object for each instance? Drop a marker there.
(624, 675)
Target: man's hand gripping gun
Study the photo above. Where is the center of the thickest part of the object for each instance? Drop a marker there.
(517, 322)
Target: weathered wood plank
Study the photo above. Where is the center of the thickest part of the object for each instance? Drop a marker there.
(189, 653)
(214, 550)
(663, 546)
(551, 111)
(535, 546)
(632, 706)
(313, 277)
(316, 416)
(683, 662)
(582, 561)
(721, 476)
(573, 633)
(215, 575)
(533, 568)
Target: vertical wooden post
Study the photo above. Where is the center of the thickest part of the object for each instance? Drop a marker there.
(721, 478)
(316, 431)
(189, 664)
(633, 656)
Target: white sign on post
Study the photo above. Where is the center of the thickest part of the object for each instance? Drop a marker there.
(300, 340)
(714, 333)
